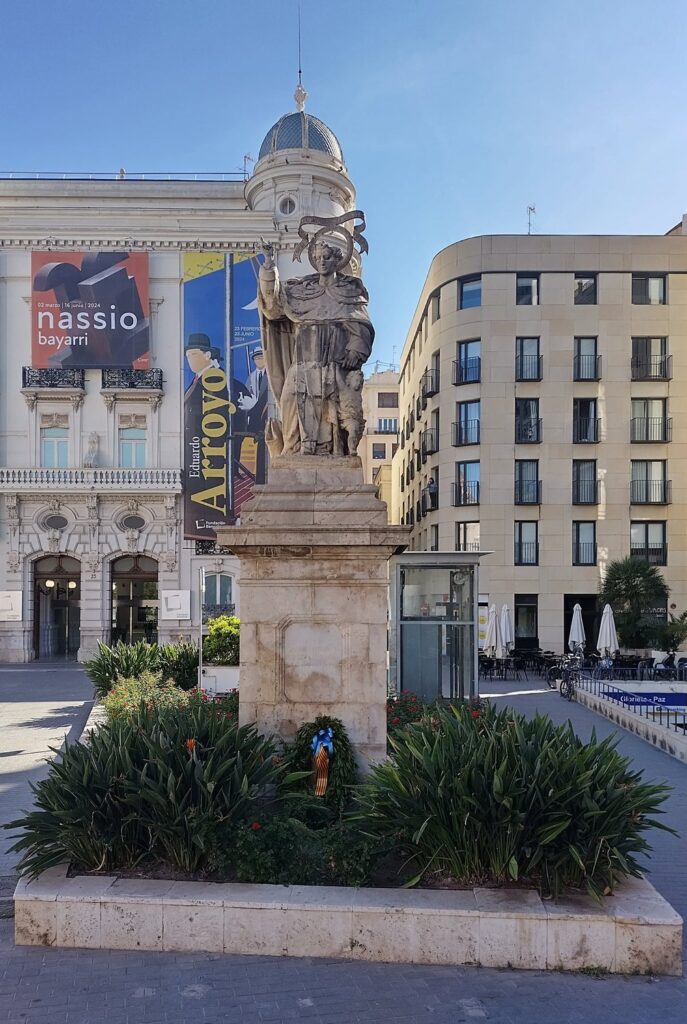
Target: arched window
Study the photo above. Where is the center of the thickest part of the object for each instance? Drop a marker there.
(219, 594)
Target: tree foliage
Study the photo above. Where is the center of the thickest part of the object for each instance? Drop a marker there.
(631, 586)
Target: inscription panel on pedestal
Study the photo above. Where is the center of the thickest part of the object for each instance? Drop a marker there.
(312, 656)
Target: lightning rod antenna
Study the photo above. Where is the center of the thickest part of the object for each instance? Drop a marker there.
(530, 210)
(300, 94)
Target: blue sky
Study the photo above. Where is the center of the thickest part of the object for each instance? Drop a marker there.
(453, 116)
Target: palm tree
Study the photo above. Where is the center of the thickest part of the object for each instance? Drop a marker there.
(631, 587)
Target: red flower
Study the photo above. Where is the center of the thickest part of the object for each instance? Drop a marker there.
(256, 825)
(191, 745)
(475, 714)
(395, 721)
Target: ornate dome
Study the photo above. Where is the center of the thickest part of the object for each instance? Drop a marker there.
(301, 131)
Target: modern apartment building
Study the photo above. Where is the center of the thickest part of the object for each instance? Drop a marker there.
(380, 440)
(543, 406)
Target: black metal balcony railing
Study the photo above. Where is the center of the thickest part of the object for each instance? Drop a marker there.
(526, 553)
(651, 428)
(585, 430)
(587, 368)
(585, 492)
(652, 368)
(429, 441)
(467, 371)
(429, 383)
(121, 379)
(529, 367)
(466, 493)
(51, 377)
(654, 554)
(650, 492)
(430, 499)
(212, 611)
(527, 492)
(465, 432)
(528, 431)
(584, 553)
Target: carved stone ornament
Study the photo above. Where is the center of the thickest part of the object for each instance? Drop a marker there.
(170, 561)
(13, 561)
(93, 563)
(77, 401)
(109, 400)
(132, 505)
(54, 505)
(155, 402)
(53, 540)
(54, 419)
(92, 507)
(132, 420)
(91, 456)
(132, 541)
(12, 506)
(30, 397)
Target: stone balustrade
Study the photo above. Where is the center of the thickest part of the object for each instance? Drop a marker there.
(81, 479)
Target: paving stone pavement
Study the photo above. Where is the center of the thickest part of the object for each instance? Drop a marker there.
(57, 986)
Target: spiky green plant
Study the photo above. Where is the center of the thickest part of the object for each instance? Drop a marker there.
(120, 661)
(179, 662)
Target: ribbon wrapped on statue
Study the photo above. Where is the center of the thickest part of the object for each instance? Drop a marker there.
(322, 747)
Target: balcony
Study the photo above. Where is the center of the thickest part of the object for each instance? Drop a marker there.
(430, 499)
(527, 492)
(651, 428)
(466, 493)
(465, 432)
(526, 553)
(529, 368)
(652, 368)
(584, 553)
(212, 611)
(114, 479)
(429, 442)
(587, 368)
(123, 380)
(650, 492)
(528, 431)
(585, 492)
(52, 377)
(654, 554)
(467, 371)
(585, 430)
(429, 383)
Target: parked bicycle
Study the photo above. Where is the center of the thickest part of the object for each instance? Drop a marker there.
(565, 674)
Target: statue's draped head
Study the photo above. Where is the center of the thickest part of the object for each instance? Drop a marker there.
(325, 257)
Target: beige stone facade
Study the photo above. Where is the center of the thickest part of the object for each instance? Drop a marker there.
(543, 382)
(380, 440)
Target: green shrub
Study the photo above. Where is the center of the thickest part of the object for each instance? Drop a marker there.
(487, 796)
(148, 690)
(221, 645)
(179, 662)
(120, 661)
(343, 772)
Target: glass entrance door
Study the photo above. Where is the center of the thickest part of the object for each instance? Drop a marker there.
(57, 607)
(135, 603)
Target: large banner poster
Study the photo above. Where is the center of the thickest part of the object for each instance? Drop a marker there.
(225, 390)
(90, 310)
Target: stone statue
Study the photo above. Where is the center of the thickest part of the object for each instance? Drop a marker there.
(91, 456)
(316, 336)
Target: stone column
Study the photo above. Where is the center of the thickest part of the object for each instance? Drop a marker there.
(313, 546)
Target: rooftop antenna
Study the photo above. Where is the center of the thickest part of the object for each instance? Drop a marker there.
(530, 210)
(300, 94)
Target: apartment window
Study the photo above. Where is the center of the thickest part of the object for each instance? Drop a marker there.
(378, 451)
(467, 536)
(526, 543)
(585, 290)
(648, 484)
(526, 620)
(470, 292)
(585, 422)
(649, 289)
(218, 590)
(587, 361)
(584, 543)
(648, 541)
(527, 422)
(467, 368)
(585, 489)
(434, 538)
(54, 447)
(527, 289)
(466, 427)
(650, 359)
(527, 482)
(649, 421)
(387, 400)
(435, 307)
(528, 362)
(387, 425)
(466, 486)
(132, 447)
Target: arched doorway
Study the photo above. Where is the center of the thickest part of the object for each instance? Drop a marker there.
(57, 606)
(134, 604)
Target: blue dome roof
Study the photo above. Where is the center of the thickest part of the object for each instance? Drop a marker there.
(301, 131)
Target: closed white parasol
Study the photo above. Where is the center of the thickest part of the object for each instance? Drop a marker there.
(607, 644)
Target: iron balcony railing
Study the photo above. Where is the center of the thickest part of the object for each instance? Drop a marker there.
(652, 367)
(527, 492)
(466, 493)
(121, 379)
(651, 428)
(529, 367)
(528, 431)
(465, 432)
(429, 383)
(587, 367)
(585, 430)
(429, 441)
(212, 611)
(51, 377)
(467, 371)
(654, 554)
(584, 553)
(585, 492)
(430, 499)
(650, 492)
(526, 553)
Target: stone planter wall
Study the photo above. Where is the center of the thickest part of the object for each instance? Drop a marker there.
(673, 743)
(635, 931)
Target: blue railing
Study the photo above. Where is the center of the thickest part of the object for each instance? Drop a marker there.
(660, 708)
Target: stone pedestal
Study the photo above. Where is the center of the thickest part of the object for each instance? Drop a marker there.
(313, 545)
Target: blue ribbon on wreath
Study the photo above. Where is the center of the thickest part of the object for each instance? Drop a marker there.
(323, 738)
